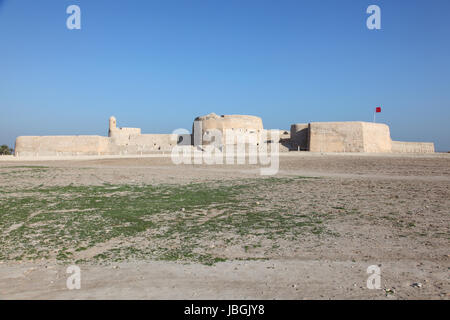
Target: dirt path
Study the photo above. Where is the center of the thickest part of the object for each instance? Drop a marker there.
(275, 279)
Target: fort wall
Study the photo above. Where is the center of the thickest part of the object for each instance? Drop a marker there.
(354, 136)
(349, 137)
(205, 126)
(336, 137)
(61, 145)
(412, 147)
(145, 144)
(376, 137)
(300, 136)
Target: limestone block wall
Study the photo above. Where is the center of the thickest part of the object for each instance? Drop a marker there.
(272, 136)
(121, 135)
(412, 147)
(93, 145)
(125, 132)
(376, 137)
(239, 124)
(349, 137)
(61, 145)
(131, 141)
(336, 137)
(300, 136)
(120, 141)
(316, 136)
(145, 144)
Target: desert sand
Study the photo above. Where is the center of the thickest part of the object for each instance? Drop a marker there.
(309, 232)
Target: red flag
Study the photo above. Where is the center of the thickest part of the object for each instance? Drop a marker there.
(378, 109)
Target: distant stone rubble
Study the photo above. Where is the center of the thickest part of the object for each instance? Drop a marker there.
(314, 136)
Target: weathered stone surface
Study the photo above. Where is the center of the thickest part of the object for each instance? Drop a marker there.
(120, 141)
(61, 146)
(412, 147)
(336, 137)
(300, 136)
(121, 135)
(349, 137)
(232, 129)
(376, 137)
(238, 124)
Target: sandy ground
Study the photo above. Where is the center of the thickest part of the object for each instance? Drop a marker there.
(403, 227)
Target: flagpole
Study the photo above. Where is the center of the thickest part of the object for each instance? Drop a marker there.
(377, 109)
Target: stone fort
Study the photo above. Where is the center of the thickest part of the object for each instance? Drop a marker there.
(355, 136)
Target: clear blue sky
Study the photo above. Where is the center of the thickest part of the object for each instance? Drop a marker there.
(158, 64)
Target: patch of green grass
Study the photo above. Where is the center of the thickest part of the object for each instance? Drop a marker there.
(176, 222)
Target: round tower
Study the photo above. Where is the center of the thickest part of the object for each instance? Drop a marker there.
(112, 125)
